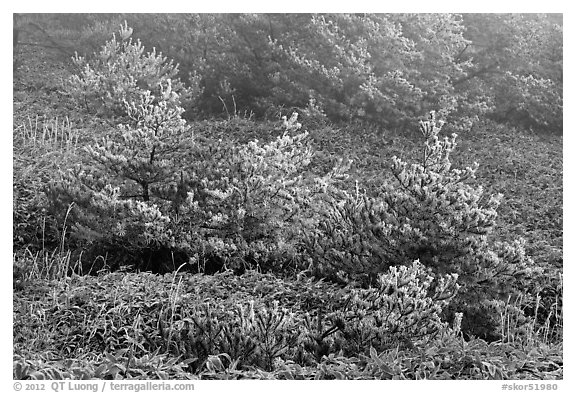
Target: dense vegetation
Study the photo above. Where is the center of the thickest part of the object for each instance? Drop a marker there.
(283, 196)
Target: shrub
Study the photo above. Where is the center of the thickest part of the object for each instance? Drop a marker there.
(537, 102)
(226, 204)
(250, 198)
(403, 308)
(151, 191)
(122, 72)
(131, 168)
(430, 213)
(383, 68)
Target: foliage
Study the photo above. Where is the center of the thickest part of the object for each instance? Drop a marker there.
(272, 326)
(154, 135)
(120, 73)
(151, 188)
(174, 322)
(517, 67)
(182, 326)
(378, 67)
(143, 173)
(385, 68)
(404, 307)
(228, 204)
(430, 213)
(42, 146)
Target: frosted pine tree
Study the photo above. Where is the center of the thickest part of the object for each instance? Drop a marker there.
(433, 210)
(149, 186)
(121, 72)
(132, 177)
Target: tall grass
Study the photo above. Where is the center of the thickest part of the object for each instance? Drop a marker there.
(517, 328)
(45, 264)
(47, 134)
(42, 146)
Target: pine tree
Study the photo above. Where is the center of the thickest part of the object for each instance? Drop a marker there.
(130, 178)
(150, 186)
(122, 72)
(431, 213)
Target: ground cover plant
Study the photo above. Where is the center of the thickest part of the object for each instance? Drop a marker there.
(342, 233)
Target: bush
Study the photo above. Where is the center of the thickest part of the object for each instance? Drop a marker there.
(152, 191)
(131, 167)
(403, 308)
(250, 198)
(228, 206)
(120, 73)
(382, 68)
(161, 197)
(431, 213)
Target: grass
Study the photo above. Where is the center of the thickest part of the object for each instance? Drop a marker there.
(533, 331)
(48, 134)
(127, 325)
